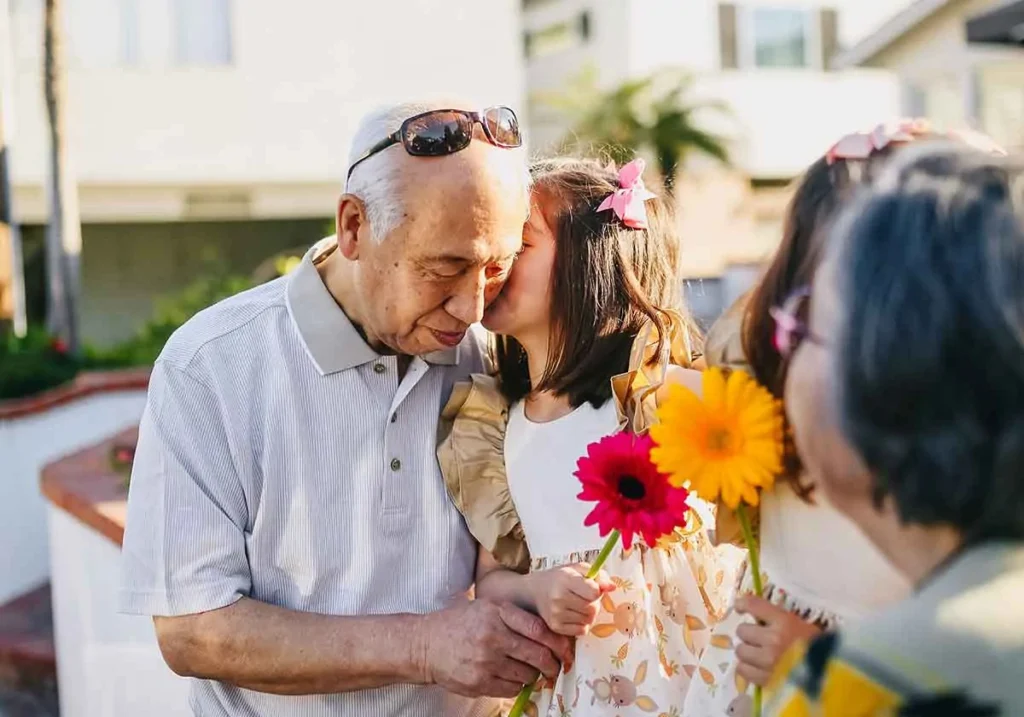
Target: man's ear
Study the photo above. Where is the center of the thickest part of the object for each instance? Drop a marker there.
(352, 225)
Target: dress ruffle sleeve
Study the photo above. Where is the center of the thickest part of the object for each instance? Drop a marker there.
(723, 347)
(471, 455)
(635, 391)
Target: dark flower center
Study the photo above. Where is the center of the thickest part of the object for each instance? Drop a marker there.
(631, 488)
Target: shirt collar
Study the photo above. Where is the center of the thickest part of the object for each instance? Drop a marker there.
(331, 341)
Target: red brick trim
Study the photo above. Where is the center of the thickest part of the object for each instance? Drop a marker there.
(85, 384)
(26, 638)
(86, 485)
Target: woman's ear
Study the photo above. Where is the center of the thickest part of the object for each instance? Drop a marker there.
(352, 225)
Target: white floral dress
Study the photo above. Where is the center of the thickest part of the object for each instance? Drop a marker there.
(513, 481)
(642, 653)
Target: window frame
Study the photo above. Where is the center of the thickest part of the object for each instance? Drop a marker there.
(747, 38)
(179, 58)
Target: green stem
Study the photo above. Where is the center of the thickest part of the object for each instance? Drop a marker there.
(521, 701)
(755, 567)
(609, 545)
(752, 548)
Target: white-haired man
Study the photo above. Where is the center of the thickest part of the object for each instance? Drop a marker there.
(288, 527)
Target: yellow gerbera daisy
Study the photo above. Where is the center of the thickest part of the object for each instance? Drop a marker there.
(726, 445)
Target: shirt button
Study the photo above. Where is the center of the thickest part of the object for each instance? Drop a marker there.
(394, 417)
(379, 368)
(395, 464)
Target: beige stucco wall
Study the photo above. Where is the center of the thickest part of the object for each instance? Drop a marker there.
(963, 84)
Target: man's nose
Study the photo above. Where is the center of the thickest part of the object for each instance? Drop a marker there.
(469, 303)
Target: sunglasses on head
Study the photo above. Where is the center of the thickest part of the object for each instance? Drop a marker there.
(440, 132)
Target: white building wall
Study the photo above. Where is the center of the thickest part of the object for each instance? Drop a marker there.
(108, 665)
(26, 445)
(281, 112)
(780, 119)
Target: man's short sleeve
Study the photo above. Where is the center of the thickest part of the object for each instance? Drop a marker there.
(184, 544)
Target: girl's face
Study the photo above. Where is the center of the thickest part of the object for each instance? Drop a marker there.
(523, 308)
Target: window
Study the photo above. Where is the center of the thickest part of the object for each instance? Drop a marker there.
(130, 46)
(202, 32)
(780, 37)
(558, 37)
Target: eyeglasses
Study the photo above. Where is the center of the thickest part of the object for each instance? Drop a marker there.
(441, 132)
(791, 328)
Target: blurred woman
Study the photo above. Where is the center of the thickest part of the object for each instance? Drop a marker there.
(906, 396)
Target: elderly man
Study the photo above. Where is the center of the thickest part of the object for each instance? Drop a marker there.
(288, 528)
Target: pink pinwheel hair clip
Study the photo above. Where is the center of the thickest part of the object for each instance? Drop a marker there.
(628, 200)
(861, 145)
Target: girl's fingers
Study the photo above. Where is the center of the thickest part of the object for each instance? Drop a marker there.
(752, 674)
(756, 657)
(754, 635)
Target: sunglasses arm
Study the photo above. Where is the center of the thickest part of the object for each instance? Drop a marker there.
(393, 138)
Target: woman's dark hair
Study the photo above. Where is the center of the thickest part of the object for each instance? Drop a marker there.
(930, 348)
(607, 281)
(817, 199)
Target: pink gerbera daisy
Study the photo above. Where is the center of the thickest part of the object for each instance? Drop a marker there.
(632, 496)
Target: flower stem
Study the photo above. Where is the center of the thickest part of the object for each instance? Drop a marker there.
(609, 545)
(752, 548)
(755, 567)
(521, 701)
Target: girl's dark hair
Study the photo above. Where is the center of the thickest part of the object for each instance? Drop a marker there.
(930, 347)
(607, 281)
(816, 201)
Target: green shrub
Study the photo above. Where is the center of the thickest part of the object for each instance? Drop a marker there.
(38, 362)
(34, 364)
(171, 312)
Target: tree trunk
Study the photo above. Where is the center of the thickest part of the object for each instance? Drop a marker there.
(63, 233)
(12, 276)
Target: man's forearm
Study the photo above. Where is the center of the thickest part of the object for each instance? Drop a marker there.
(271, 649)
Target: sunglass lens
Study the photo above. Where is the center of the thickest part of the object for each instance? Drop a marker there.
(503, 126)
(437, 134)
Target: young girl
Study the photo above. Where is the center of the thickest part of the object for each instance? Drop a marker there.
(819, 569)
(588, 317)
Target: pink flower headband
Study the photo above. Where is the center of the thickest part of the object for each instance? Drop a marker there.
(861, 145)
(628, 200)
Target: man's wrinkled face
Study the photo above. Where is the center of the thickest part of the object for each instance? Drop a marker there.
(433, 276)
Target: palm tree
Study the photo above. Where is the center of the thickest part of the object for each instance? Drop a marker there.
(63, 232)
(651, 113)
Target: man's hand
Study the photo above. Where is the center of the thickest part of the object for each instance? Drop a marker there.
(489, 649)
(764, 643)
(567, 599)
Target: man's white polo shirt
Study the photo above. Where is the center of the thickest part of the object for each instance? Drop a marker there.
(282, 459)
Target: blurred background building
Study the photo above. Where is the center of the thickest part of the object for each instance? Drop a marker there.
(213, 133)
(958, 62)
(207, 135)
